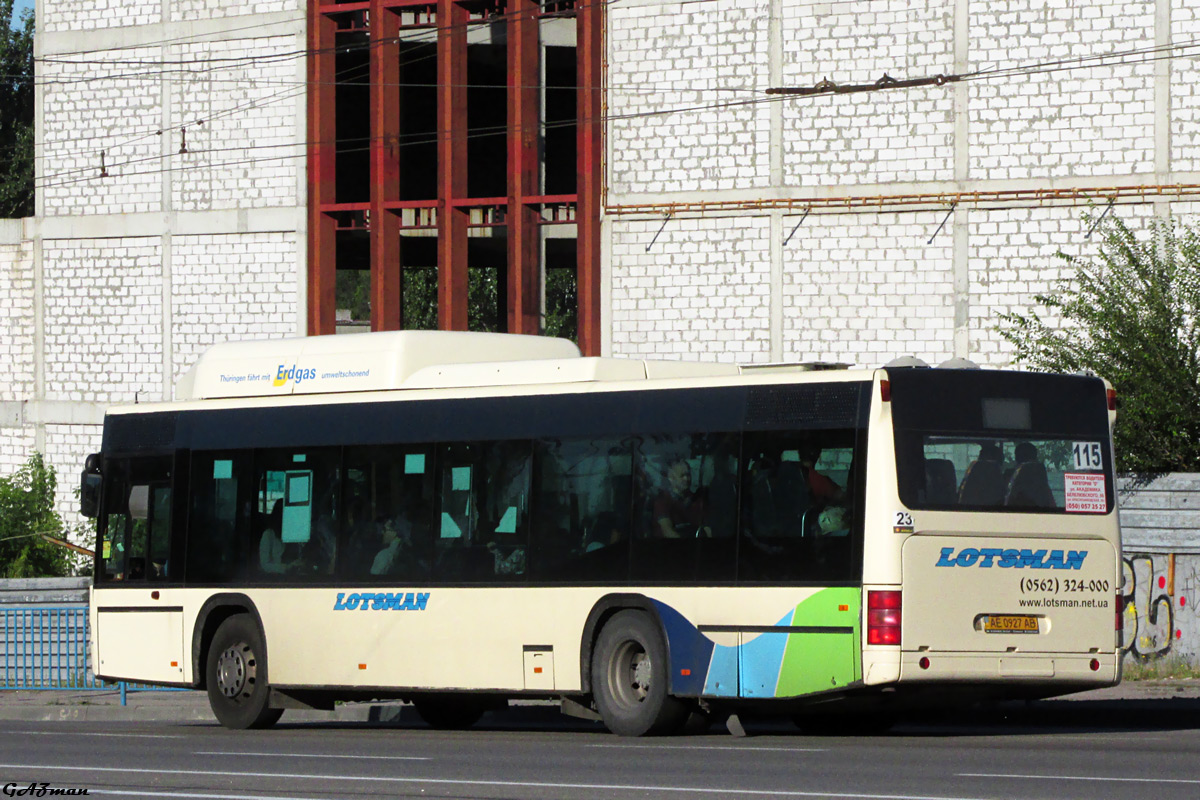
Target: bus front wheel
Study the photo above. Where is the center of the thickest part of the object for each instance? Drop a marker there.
(236, 675)
(629, 678)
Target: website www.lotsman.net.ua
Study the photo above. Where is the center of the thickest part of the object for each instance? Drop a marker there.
(1054, 602)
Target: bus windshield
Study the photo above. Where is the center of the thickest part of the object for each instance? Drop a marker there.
(1028, 443)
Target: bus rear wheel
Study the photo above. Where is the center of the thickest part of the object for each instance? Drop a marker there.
(236, 676)
(629, 678)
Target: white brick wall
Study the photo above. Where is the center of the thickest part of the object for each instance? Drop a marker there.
(897, 135)
(245, 152)
(66, 448)
(676, 96)
(184, 10)
(232, 287)
(101, 104)
(1185, 91)
(863, 291)
(1014, 258)
(16, 322)
(103, 319)
(701, 292)
(16, 446)
(1072, 122)
(84, 15)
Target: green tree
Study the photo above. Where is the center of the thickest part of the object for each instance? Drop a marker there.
(26, 511)
(16, 113)
(1131, 315)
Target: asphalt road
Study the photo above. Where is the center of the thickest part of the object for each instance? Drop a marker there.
(1001, 757)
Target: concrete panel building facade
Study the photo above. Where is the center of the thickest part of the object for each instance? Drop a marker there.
(211, 170)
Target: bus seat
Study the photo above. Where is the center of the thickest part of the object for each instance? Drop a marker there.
(941, 482)
(983, 485)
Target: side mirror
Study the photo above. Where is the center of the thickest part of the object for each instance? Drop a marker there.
(89, 487)
(89, 495)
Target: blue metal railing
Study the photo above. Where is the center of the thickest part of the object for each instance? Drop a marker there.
(48, 647)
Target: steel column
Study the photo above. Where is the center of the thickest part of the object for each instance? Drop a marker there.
(386, 306)
(322, 157)
(524, 78)
(589, 23)
(452, 165)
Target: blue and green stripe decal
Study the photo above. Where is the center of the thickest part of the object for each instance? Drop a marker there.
(812, 648)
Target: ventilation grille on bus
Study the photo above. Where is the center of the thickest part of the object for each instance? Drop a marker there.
(825, 406)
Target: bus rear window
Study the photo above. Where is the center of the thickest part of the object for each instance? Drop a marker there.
(1002, 441)
(1010, 474)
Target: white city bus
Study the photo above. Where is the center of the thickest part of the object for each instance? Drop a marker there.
(460, 519)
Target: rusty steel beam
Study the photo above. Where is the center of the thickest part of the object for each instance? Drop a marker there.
(322, 159)
(384, 65)
(452, 165)
(589, 20)
(524, 287)
(1019, 198)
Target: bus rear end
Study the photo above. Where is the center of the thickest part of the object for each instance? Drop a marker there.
(998, 568)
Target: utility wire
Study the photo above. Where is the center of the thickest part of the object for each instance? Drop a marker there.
(824, 87)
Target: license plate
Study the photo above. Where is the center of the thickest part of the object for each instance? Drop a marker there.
(1010, 624)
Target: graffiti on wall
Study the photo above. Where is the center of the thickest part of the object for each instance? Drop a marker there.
(1156, 592)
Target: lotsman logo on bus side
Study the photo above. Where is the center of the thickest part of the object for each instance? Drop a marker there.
(1012, 558)
(286, 374)
(381, 601)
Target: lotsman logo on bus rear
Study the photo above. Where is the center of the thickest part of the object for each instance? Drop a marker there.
(381, 601)
(1012, 558)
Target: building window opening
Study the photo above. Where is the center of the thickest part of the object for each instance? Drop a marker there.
(562, 284)
(558, 140)
(352, 102)
(419, 282)
(418, 119)
(352, 287)
(487, 285)
(487, 114)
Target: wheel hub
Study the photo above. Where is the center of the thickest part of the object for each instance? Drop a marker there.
(234, 670)
(640, 675)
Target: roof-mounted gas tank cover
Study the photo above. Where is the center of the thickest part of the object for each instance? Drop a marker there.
(958, 363)
(351, 363)
(906, 362)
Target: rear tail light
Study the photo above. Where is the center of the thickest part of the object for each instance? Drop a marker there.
(885, 391)
(1112, 399)
(883, 617)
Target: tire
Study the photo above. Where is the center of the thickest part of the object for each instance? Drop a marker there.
(236, 676)
(630, 678)
(448, 713)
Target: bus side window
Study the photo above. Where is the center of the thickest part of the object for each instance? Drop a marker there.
(294, 531)
(114, 524)
(136, 541)
(387, 533)
(458, 552)
(683, 531)
(218, 517)
(581, 524)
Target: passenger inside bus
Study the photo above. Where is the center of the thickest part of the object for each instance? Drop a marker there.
(983, 483)
(1029, 485)
(720, 508)
(270, 544)
(678, 511)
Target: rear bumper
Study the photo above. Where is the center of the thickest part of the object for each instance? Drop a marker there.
(1088, 670)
